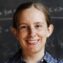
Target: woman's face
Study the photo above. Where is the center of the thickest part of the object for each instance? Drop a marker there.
(32, 30)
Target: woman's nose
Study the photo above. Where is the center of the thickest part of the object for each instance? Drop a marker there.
(32, 32)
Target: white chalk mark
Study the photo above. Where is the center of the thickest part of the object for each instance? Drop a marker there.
(57, 17)
(4, 19)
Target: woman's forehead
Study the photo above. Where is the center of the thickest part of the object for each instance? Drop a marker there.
(32, 14)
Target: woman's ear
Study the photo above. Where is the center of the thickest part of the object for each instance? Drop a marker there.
(50, 29)
(13, 31)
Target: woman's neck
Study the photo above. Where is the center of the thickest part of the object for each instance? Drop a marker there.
(28, 57)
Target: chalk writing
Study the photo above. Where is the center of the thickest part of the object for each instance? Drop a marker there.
(4, 30)
(57, 9)
(6, 12)
(0, 29)
(9, 12)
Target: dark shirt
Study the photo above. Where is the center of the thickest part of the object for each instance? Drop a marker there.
(47, 59)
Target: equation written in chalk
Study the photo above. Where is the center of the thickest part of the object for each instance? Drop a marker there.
(9, 12)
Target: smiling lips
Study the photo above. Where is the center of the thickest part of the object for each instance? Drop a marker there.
(33, 42)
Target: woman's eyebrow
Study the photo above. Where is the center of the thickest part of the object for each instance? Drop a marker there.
(22, 24)
(38, 23)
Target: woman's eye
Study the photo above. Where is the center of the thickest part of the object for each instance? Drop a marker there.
(22, 27)
(38, 26)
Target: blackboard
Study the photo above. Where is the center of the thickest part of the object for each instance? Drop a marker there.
(8, 43)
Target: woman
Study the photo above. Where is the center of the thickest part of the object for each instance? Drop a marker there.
(32, 27)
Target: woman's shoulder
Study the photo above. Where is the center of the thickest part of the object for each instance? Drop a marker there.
(50, 59)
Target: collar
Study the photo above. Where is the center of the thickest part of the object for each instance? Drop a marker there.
(49, 58)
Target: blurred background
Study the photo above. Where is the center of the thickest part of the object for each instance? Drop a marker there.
(8, 43)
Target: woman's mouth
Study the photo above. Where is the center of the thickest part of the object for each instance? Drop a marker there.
(32, 42)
